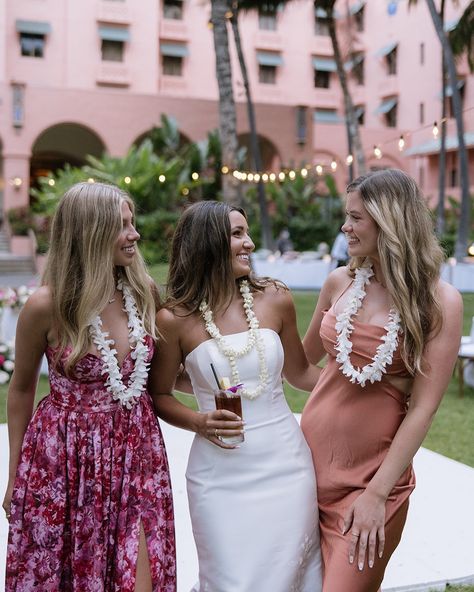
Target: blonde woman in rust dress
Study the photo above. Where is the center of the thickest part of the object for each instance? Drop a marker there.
(391, 330)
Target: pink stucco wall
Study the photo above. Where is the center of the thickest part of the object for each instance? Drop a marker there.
(119, 101)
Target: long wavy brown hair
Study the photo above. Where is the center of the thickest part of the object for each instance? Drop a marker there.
(410, 255)
(80, 270)
(200, 263)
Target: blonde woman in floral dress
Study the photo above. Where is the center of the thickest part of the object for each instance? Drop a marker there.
(391, 330)
(89, 497)
(253, 506)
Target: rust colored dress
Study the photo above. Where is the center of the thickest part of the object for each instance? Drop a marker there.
(349, 430)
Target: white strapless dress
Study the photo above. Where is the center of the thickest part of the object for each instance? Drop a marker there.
(253, 509)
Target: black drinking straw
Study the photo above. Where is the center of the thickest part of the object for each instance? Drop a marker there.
(215, 376)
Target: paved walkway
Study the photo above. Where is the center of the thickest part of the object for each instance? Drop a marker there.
(437, 545)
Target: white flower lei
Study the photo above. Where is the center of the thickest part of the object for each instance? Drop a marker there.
(384, 353)
(127, 396)
(254, 340)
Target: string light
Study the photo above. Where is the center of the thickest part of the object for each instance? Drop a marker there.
(281, 176)
(333, 165)
(304, 173)
(319, 169)
(195, 176)
(127, 180)
(401, 143)
(264, 177)
(225, 170)
(185, 191)
(51, 182)
(250, 177)
(161, 178)
(256, 177)
(272, 177)
(349, 159)
(435, 130)
(292, 175)
(377, 152)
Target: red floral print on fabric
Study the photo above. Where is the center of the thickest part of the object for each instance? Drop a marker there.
(90, 472)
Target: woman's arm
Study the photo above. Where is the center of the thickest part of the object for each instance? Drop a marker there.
(296, 368)
(367, 514)
(33, 326)
(164, 369)
(335, 284)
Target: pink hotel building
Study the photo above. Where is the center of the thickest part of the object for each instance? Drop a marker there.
(86, 77)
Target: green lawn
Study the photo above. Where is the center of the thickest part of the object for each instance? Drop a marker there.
(451, 432)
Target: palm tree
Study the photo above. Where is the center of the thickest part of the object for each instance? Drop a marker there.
(265, 220)
(440, 217)
(220, 12)
(352, 124)
(462, 38)
(464, 222)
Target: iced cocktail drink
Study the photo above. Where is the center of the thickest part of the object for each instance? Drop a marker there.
(231, 402)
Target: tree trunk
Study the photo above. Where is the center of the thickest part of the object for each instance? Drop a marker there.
(227, 113)
(464, 221)
(351, 119)
(265, 221)
(440, 217)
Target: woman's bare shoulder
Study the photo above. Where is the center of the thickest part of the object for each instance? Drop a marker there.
(40, 302)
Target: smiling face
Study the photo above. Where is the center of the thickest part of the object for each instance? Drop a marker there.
(241, 244)
(125, 246)
(360, 228)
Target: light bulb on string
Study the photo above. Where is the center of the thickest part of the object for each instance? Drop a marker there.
(243, 176)
(272, 177)
(304, 173)
(265, 177)
(225, 170)
(349, 159)
(250, 177)
(319, 169)
(401, 143)
(256, 177)
(333, 165)
(292, 175)
(377, 152)
(281, 176)
(195, 176)
(435, 130)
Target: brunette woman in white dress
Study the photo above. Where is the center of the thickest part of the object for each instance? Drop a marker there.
(253, 506)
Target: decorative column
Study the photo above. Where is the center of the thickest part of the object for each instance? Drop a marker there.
(16, 174)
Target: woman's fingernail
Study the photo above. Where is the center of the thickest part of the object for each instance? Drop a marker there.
(351, 559)
(371, 564)
(380, 554)
(361, 566)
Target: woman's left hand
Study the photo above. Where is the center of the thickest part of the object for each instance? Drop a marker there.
(364, 523)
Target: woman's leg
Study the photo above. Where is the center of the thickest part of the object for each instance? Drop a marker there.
(143, 581)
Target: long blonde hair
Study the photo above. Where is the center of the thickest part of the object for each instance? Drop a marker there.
(410, 255)
(80, 266)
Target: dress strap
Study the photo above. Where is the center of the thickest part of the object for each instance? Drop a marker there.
(340, 296)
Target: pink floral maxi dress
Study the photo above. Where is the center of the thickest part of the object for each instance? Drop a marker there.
(90, 472)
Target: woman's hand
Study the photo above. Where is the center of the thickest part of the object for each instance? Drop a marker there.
(7, 500)
(220, 423)
(364, 523)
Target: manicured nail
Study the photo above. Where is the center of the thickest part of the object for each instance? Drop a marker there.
(380, 554)
(343, 530)
(371, 563)
(361, 566)
(351, 559)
